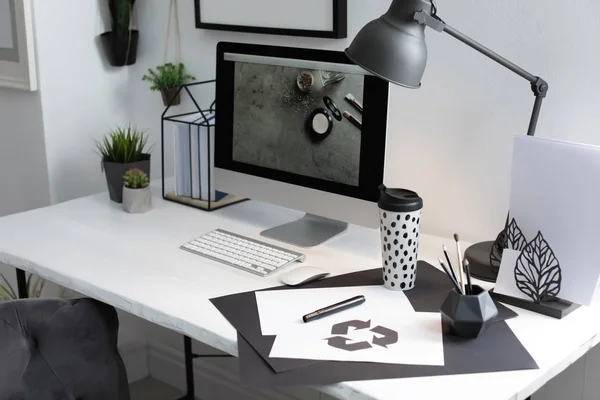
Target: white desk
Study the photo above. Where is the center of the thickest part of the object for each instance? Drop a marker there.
(134, 263)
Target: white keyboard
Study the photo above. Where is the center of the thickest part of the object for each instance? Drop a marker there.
(241, 252)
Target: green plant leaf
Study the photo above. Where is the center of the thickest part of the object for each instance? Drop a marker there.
(5, 295)
(33, 288)
(121, 12)
(123, 145)
(40, 289)
(135, 179)
(8, 288)
(28, 284)
(168, 76)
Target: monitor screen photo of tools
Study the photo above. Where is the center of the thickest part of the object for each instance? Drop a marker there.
(306, 117)
(310, 135)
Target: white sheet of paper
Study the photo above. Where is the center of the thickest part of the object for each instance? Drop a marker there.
(282, 310)
(505, 284)
(555, 190)
(6, 25)
(419, 342)
(419, 335)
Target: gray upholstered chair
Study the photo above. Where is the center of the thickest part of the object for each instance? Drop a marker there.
(54, 349)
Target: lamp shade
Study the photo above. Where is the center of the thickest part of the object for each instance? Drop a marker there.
(393, 46)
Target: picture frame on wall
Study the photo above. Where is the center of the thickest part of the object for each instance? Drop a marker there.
(310, 18)
(17, 50)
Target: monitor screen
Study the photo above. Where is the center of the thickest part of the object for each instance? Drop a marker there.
(291, 118)
(306, 117)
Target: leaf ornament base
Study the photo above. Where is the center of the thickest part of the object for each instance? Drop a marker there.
(556, 308)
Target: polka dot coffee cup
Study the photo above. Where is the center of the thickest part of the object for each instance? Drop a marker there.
(400, 219)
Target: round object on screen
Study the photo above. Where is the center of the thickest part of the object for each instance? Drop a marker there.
(305, 81)
(335, 111)
(319, 124)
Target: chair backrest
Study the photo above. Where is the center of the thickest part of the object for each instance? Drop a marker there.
(53, 349)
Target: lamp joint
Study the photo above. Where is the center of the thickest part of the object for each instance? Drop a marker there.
(432, 22)
(539, 87)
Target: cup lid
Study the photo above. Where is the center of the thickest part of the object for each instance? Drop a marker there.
(399, 200)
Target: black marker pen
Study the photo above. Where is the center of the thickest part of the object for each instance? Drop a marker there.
(335, 308)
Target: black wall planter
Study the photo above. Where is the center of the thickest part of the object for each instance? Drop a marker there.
(120, 50)
(114, 175)
(171, 94)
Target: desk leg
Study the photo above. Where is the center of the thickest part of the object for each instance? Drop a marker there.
(22, 284)
(189, 366)
(189, 369)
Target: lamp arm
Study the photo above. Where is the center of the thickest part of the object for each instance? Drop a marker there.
(538, 85)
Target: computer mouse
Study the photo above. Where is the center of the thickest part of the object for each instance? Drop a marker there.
(302, 275)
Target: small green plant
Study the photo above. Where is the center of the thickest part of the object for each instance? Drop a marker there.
(35, 286)
(124, 145)
(168, 76)
(135, 179)
(120, 13)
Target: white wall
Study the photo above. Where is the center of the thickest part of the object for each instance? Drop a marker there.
(82, 96)
(23, 171)
(451, 140)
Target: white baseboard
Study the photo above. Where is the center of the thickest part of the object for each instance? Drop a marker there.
(215, 378)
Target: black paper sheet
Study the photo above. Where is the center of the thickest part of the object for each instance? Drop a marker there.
(497, 350)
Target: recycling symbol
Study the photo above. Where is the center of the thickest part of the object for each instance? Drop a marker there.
(387, 338)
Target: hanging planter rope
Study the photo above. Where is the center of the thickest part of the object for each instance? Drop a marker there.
(173, 9)
(169, 78)
(169, 93)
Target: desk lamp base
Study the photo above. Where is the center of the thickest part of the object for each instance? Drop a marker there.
(479, 261)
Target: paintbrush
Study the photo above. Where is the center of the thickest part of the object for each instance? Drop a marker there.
(461, 272)
(450, 276)
(450, 265)
(468, 272)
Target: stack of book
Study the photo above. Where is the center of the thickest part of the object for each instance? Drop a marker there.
(194, 158)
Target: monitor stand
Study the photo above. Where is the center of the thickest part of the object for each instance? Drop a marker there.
(308, 231)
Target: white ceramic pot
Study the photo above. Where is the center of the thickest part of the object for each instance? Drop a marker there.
(137, 201)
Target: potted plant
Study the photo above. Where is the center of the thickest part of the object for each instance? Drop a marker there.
(121, 150)
(121, 42)
(168, 79)
(137, 197)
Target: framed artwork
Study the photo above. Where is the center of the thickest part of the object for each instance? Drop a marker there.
(312, 18)
(17, 51)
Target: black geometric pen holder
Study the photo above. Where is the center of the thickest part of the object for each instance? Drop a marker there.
(468, 316)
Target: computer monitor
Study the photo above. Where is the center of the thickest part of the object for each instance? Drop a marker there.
(301, 128)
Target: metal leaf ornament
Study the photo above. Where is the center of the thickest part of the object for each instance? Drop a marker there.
(537, 273)
(515, 240)
(510, 238)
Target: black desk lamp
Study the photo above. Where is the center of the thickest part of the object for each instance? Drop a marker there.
(393, 47)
